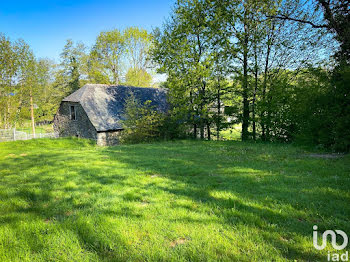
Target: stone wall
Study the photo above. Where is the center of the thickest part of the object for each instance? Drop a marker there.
(108, 138)
(81, 127)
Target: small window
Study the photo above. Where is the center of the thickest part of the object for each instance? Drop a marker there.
(73, 113)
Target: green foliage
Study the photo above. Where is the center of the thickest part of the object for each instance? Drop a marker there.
(182, 51)
(23, 77)
(47, 97)
(137, 46)
(116, 52)
(309, 109)
(205, 44)
(72, 67)
(337, 16)
(106, 57)
(138, 77)
(319, 106)
(142, 122)
(9, 61)
(24, 82)
(253, 57)
(340, 105)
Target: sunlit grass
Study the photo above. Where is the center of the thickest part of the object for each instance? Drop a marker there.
(68, 200)
(231, 133)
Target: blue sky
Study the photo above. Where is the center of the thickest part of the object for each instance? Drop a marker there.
(45, 25)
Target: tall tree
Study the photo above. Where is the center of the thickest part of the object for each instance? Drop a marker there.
(329, 16)
(106, 57)
(238, 20)
(72, 66)
(49, 97)
(137, 46)
(27, 77)
(337, 20)
(8, 70)
(188, 67)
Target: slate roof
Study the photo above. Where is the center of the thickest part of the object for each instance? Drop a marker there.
(104, 104)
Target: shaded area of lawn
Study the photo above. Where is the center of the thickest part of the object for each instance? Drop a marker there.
(188, 200)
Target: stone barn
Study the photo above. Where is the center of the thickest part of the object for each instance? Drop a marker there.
(94, 111)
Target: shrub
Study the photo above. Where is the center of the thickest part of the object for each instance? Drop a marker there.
(142, 122)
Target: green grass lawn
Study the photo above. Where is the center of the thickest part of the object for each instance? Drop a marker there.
(232, 133)
(68, 200)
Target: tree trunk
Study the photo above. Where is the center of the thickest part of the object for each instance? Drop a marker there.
(208, 130)
(201, 130)
(115, 75)
(263, 112)
(195, 131)
(7, 115)
(5, 119)
(193, 117)
(201, 90)
(32, 113)
(203, 119)
(245, 120)
(218, 120)
(268, 116)
(255, 91)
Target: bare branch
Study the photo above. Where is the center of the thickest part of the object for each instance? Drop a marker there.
(284, 17)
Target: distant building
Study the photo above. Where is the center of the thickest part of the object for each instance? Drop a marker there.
(95, 111)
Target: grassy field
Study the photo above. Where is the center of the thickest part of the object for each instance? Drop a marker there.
(68, 200)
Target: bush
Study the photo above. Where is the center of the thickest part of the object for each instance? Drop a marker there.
(142, 122)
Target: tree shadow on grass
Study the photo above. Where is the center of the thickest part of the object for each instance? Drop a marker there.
(273, 190)
(268, 189)
(58, 190)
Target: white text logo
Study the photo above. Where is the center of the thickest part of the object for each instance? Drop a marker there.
(333, 235)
